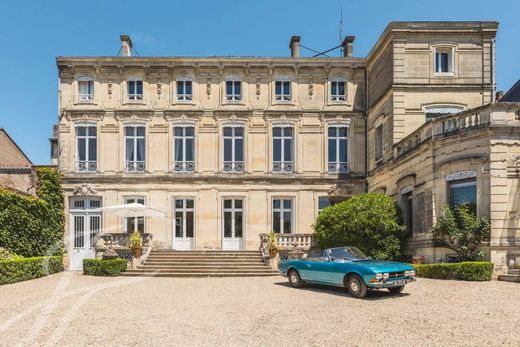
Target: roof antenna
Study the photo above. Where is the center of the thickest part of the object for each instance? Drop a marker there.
(341, 28)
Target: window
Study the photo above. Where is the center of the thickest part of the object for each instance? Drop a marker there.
(86, 220)
(134, 223)
(337, 91)
(135, 148)
(323, 202)
(135, 89)
(233, 149)
(443, 60)
(407, 206)
(282, 216)
(282, 149)
(338, 162)
(86, 89)
(282, 91)
(233, 90)
(86, 147)
(233, 218)
(379, 142)
(463, 191)
(184, 148)
(434, 111)
(184, 90)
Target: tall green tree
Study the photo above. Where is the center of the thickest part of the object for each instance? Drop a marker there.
(367, 221)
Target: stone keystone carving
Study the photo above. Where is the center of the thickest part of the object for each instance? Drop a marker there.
(84, 189)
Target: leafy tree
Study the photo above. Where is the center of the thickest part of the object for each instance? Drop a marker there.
(367, 221)
(460, 230)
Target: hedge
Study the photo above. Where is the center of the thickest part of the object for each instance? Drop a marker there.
(109, 267)
(466, 271)
(18, 270)
(33, 226)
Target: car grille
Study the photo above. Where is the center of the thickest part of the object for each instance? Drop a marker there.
(396, 274)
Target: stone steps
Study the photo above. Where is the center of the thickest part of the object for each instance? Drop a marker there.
(169, 263)
(513, 275)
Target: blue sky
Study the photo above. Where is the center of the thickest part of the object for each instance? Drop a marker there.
(35, 32)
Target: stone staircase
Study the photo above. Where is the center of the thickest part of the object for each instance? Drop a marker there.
(513, 275)
(170, 263)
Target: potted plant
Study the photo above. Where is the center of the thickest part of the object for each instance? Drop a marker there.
(272, 246)
(136, 244)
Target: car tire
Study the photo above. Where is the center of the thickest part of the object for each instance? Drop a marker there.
(294, 279)
(396, 290)
(356, 286)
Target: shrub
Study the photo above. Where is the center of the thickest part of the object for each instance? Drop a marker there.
(24, 269)
(466, 271)
(33, 226)
(367, 221)
(99, 267)
(5, 254)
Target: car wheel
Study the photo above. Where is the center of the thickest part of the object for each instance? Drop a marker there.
(356, 286)
(396, 290)
(295, 279)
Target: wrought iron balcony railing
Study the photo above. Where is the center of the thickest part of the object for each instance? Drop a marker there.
(283, 166)
(135, 166)
(233, 166)
(86, 166)
(184, 166)
(338, 167)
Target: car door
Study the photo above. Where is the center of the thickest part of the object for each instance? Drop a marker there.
(317, 270)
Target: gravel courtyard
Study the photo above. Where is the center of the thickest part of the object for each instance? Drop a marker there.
(71, 309)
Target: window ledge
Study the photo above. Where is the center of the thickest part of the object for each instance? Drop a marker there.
(444, 74)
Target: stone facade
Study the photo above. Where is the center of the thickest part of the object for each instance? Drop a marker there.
(237, 110)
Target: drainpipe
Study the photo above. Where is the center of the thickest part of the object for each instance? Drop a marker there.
(365, 116)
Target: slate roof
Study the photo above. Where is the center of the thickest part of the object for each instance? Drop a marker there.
(513, 94)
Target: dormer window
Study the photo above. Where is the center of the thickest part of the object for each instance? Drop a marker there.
(282, 91)
(135, 89)
(184, 90)
(443, 60)
(86, 89)
(233, 90)
(337, 91)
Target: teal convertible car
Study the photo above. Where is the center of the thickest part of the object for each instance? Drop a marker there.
(348, 267)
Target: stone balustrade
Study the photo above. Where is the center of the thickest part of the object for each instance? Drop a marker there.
(289, 241)
(119, 243)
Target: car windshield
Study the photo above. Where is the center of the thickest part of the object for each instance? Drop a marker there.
(347, 253)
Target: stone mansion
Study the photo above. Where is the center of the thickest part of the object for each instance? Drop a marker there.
(230, 148)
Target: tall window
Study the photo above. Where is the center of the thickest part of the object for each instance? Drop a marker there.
(86, 89)
(86, 145)
(184, 92)
(379, 142)
(135, 89)
(233, 149)
(434, 111)
(135, 148)
(282, 216)
(134, 223)
(407, 207)
(463, 192)
(282, 149)
(233, 90)
(338, 161)
(323, 202)
(337, 91)
(282, 91)
(184, 150)
(443, 60)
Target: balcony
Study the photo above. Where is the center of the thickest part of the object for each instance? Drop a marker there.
(86, 166)
(184, 166)
(338, 167)
(86, 97)
(233, 166)
(135, 166)
(281, 167)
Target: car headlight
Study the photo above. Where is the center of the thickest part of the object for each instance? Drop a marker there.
(412, 273)
(386, 275)
(379, 276)
(406, 273)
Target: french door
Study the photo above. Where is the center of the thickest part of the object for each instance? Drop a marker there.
(84, 227)
(184, 224)
(233, 224)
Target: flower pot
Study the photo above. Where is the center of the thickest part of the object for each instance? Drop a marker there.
(137, 252)
(272, 253)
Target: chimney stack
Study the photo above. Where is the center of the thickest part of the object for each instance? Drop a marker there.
(126, 46)
(348, 46)
(499, 95)
(294, 45)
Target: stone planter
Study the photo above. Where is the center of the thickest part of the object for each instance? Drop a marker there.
(137, 252)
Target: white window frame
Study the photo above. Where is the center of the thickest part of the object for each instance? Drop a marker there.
(338, 98)
(89, 96)
(233, 166)
(233, 97)
(323, 197)
(283, 97)
(283, 166)
(184, 97)
(86, 211)
(135, 166)
(183, 166)
(135, 96)
(136, 198)
(338, 167)
(86, 165)
(437, 51)
(282, 211)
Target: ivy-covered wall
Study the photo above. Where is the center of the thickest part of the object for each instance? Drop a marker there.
(33, 226)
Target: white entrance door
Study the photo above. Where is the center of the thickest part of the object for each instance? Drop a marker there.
(233, 224)
(184, 226)
(84, 227)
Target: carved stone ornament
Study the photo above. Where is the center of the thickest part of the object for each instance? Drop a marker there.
(110, 84)
(159, 89)
(84, 189)
(258, 90)
(208, 89)
(311, 89)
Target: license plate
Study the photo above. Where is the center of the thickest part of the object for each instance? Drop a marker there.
(399, 282)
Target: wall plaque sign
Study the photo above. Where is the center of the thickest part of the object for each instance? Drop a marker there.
(461, 175)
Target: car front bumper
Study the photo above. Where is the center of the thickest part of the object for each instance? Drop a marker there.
(392, 283)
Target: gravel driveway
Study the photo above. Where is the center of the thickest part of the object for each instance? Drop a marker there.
(71, 309)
